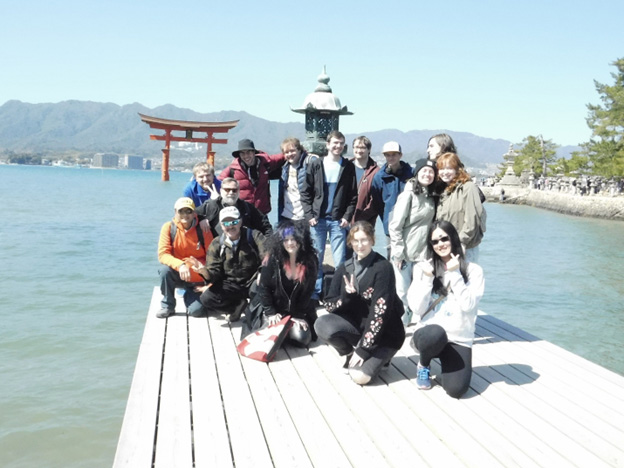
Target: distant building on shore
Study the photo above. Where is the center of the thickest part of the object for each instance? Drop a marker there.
(133, 162)
(105, 160)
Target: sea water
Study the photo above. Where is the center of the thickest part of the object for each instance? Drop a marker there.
(78, 251)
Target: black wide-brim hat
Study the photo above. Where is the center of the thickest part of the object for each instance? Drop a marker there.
(244, 145)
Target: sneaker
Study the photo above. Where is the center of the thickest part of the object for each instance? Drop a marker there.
(423, 381)
(164, 313)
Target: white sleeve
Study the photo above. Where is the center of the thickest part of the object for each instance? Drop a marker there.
(467, 295)
(419, 292)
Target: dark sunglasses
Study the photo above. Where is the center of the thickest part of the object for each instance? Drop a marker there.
(441, 239)
(231, 223)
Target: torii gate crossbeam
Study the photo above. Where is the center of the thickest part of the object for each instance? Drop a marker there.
(188, 127)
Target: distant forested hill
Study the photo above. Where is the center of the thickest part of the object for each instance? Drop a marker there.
(90, 127)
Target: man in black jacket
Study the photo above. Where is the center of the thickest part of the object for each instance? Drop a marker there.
(329, 196)
(251, 216)
(232, 264)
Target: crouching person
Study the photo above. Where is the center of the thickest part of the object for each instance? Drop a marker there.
(445, 296)
(288, 280)
(364, 321)
(232, 265)
(182, 246)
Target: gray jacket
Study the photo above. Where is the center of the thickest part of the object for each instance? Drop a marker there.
(409, 224)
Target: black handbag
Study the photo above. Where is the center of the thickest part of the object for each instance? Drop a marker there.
(255, 318)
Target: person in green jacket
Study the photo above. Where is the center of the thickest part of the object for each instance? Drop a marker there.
(460, 204)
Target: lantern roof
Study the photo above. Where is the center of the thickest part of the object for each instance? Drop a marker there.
(322, 99)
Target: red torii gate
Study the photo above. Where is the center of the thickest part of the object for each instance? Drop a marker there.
(188, 127)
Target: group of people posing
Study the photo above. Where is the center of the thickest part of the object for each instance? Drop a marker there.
(223, 252)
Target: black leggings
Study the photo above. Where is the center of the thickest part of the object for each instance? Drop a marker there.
(340, 334)
(456, 360)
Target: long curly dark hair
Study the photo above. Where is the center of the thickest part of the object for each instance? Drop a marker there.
(307, 257)
(439, 267)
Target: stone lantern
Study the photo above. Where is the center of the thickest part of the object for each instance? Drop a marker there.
(322, 111)
(510, 178)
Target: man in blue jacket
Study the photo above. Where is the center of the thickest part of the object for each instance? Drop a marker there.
(389, 182)
(203, 186)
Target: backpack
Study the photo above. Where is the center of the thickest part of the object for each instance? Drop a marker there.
(200, 235)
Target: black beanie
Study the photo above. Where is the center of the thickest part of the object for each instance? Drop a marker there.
(425, 162)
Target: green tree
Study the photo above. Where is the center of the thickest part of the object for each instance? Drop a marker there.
(578, 164)
(531, 155)
(605, 149)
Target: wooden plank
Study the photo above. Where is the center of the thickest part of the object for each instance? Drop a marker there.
(210, 435)
(136, 441)
(600, 416)
(456, 410)
(445, 420)
(525, 406)
(544, 410)
(246, 435)
(555, 375)
(394, 446)
(173, 438)
(550, 423)
(358, 447)
(321, 444)
(602, 378)
(282, 436)
(407, 421)
(547, 418)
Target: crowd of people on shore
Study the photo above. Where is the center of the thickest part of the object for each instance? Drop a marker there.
(223, 252)
(584, 185)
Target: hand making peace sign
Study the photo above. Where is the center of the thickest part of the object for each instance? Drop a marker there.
(349, 284)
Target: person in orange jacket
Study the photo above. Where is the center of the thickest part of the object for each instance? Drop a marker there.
(181, 240)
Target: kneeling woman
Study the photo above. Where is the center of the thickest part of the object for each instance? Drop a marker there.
(444, 296)
(364, 323)
(287, 280)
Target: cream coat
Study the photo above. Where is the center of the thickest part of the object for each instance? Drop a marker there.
(457, 313)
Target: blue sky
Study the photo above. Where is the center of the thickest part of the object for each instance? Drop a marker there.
(498, 69)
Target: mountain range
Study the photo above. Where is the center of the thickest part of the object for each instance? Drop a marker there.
(87, 127)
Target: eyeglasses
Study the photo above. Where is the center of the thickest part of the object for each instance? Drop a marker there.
(441, 239)
(186, 211)
(231, 223)
(225, 189)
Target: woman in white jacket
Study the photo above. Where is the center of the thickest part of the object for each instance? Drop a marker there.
(444, 296)
(409, 224)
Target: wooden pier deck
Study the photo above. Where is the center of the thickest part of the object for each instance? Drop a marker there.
(194, 402)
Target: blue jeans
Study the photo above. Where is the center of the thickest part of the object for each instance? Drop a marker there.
(169, 281)
(338, 242)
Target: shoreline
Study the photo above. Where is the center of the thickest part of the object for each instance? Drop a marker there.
(588, 206)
